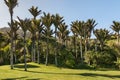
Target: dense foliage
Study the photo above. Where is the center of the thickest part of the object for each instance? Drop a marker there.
(50, 41)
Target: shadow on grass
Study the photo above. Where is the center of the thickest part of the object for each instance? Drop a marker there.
(82, 74)
(102, 75)
(28, 66)
(14, 78)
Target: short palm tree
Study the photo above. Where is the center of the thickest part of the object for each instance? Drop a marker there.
(47, 22)
(116, 27)
(11, 4)
(24, 24)
(57, 20)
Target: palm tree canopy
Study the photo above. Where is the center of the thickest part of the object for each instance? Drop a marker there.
(101, 35)
(34, 11)
(11, 4)
(90, 24)
(24, 24)
(115, 26)
(47, 20)
(63, 32)
(15, 26)
(57, 20)
(38, 25)
(77, 27)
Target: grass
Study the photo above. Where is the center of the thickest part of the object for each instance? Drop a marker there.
(42, 72)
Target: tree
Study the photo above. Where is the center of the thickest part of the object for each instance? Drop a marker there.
(63, 33)
(78, 27)
(57, 20)
(24, 24)
(39, 25)
(11, 4)
(14, 30)
(116, 27)
(35, 12)
(47, 22)
(102, 35)
(89, 26)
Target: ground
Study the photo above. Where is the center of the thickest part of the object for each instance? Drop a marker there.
(42, 72)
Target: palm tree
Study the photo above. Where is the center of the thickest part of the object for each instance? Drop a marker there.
(89, 26)
(11, 4)
(24, 24)
(14, 29)
(78, 26)
(35, 12)
(74, 38)
(63, 33)
(39, 25)
(102, 35)
(47, 22)
(116, 27)
(57, 20)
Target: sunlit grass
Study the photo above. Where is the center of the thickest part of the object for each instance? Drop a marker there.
(42, 72)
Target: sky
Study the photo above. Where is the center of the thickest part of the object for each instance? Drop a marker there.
(103, 11)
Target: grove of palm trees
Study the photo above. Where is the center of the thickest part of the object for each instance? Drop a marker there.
(47, 39)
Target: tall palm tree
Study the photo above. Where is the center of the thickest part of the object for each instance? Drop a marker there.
(35, 12)
(78, 26)
(39, 25)
(47, 22)
(90, 24)
(74, 39)
(11, 4)
(14, 29)
(24, 24)
(116, 27)
(102, 35)
(57, 20)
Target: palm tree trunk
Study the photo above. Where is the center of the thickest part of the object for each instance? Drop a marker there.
(56, 63)
(118, 37)
(34, 52)
(11, 51)
(47, 52)
(81, 50)
(25, 64)
(85, 44)
(39, 48)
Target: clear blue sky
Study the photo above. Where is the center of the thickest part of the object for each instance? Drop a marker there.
(103, 11)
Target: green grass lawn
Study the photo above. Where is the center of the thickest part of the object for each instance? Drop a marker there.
(42, 72)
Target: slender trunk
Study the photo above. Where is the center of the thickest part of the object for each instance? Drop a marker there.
(34, 52)
(85, 44)
(95, 45)
(56, 63)
(47, 52)
(81, 50)
(75, 49)
(25, 64)
(11, 51)
(118, 37)
(38, 49)
(15, 51)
